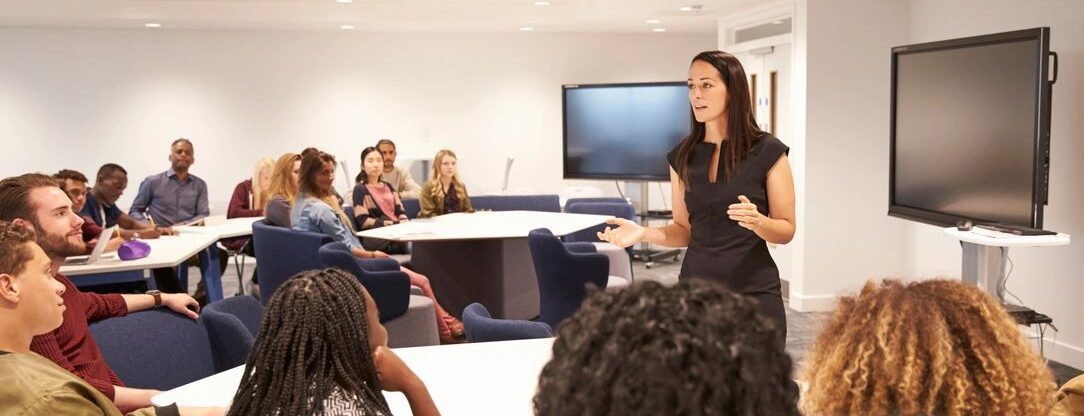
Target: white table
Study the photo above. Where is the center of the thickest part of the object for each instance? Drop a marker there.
(221, 227)
(482, 257)
(985, 253)
(491, 378)
(166, 251)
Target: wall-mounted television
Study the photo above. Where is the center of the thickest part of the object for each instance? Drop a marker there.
(970, 129)
(623, 131)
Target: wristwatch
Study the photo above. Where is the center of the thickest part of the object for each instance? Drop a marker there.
(157, 297)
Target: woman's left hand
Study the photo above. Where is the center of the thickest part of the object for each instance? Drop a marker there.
(745, 213)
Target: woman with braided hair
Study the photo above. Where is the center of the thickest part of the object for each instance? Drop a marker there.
(692, 349)
(321, 350)
(936, 347)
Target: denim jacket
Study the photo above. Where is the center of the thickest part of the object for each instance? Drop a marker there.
(314, 215)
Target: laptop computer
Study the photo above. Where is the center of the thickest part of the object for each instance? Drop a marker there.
(94, 255)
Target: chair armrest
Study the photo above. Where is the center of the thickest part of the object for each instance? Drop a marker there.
(580, 247)
(391, 290)
(379, 265)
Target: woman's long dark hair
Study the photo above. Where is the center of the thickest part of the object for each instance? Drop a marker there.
(313, 341)
(741, 128)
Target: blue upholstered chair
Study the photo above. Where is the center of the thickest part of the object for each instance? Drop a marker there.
(481, 327)
(620, 258)
(231, 338)
(155, 349)
(246, 309)
(546, 203)
(411, 206)
(410, 319)
(612, 199)
(282, 253)
(564, 270)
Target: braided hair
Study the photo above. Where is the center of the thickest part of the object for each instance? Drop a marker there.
(691, 349)
(313, 344)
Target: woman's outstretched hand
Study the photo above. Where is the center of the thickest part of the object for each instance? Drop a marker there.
(626, 234)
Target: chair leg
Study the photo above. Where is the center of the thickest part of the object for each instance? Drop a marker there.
(239, 265)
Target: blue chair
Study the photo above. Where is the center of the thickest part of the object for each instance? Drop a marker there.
(283, 253)
(247, 309)
(564, 270)
(481, 327)
(545, 203)
(155, 349)
(389, 286)
(612, 199)
(620, 259)
(412, 206)
(411, 320)
(230, 339)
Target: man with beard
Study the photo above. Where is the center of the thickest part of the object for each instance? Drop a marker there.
(36, 202)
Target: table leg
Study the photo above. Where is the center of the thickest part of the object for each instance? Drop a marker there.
(497, 273)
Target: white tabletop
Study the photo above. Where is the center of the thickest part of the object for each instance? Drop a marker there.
(484, 225)
(999, 239)
(490, 378)
(166, 251)
(221, 227)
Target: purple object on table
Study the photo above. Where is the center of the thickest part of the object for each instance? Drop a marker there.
(133, 249)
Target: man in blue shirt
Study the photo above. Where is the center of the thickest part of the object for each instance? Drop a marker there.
(173, 196)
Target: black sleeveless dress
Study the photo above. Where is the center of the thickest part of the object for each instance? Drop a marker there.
(720, 249)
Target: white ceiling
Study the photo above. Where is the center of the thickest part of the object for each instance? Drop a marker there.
(590, 16)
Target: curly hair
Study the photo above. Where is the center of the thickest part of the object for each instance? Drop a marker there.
(313, 343)
(691, 349)
(14, 252)
(933, 347)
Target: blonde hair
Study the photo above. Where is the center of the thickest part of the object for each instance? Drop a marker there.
(282, 183)
(438, 190)
(936, 347)
(259, 197)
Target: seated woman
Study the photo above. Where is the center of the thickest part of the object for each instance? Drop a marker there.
(691, 349)
(321, 350)
(443, 193)
(935, 347)
(376, 203)
(250, 197)
(315, 211)
(282, 190)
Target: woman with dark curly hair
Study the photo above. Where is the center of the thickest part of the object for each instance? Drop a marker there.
(936, 347)
(691, 349)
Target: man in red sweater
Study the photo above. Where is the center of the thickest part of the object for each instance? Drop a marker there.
(36, 202)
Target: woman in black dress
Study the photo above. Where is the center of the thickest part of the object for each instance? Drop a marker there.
(732, 190)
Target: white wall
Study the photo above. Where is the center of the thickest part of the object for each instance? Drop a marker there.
(1049, 280)
(80, 98)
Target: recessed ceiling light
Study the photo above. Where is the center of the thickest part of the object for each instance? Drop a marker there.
(541, 3)
(344, 1)
(686, 8)
(152, 25)
(652, 21)
(346, 27)
(526, 29)
(659, 29)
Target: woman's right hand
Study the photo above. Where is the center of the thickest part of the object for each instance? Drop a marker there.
(393, 373)
(380, 254)
(626, 234)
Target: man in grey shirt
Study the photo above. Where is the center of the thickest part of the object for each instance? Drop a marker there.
(399, 178)
(173, 196)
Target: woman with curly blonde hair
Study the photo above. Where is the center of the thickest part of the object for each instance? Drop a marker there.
(936, 347)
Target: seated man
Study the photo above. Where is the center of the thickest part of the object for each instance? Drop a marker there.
(174, 197)
(35, 202)
(74, 184)
(101, 205)
(399, 177)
